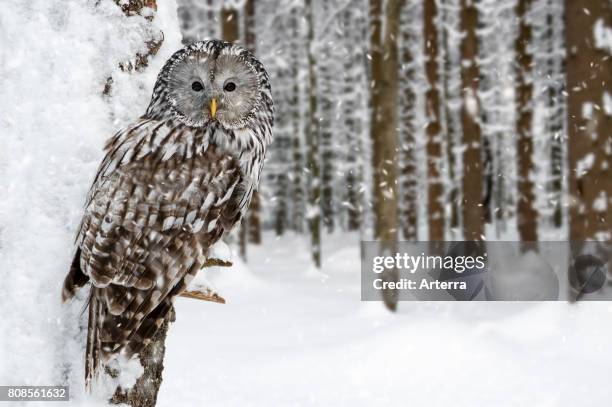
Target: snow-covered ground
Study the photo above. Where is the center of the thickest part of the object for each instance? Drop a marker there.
(290, 336)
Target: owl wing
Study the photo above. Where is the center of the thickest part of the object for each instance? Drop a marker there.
(146, 229)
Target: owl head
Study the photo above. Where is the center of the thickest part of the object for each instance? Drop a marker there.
(211, 81)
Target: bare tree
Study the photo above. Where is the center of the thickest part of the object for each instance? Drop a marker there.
(526, 214)
(589, 77)
(312, 140)
(473, 215)
(408, 169)
(230, 24)
(435, 212)
(451, 112)
(384, 122)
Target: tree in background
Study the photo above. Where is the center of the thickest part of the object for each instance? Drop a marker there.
(496, 55)
(385, 69)
(408, 165)
(550, 128)
(327, 81)
(313, 214)
(451, 100)
(199, 19)
(473, 215)
(526, 214)
(435, 191)
(589, 78)
(354, 97)
(460, 134)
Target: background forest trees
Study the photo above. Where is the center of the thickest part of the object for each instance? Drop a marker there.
(429, 120)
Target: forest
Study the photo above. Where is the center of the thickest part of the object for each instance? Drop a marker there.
(429, 120)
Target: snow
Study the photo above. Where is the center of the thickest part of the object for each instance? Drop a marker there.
(55, 59)
(602, 35)
(600, 203)
(471, 103)
(286, 338)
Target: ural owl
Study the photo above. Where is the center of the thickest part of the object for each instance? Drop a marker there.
(171, 184)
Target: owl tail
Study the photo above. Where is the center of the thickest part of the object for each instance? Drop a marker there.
(92, 352)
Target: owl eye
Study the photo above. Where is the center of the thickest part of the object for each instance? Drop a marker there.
(197, 86)
(230, 87)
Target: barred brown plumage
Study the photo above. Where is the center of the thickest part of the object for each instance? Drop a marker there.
(171, 184)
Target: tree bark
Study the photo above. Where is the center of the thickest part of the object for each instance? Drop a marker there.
(326, 81)
(144, 392)
(229, 24)
(526, 216)
(435, 212)
(297, 169)
(555, 102)
(588, 76)
(250, 225)
(384, 122)
(312, 137)
(450, 120)
(473, 215)
(409, 205)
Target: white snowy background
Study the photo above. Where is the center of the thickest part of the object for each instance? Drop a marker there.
(289, 335)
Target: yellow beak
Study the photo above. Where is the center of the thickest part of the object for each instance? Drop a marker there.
(213, 108)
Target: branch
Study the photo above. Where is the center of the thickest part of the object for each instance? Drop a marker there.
(217, 263)
(205, 295)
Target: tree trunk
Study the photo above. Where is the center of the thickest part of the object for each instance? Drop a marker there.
(473, 216)
(409, 205)
(589, 76)
(327, 82)
(229, 25)
(450, 121)
(384, 122)
(230, 31)
(312, 137)
(249, 26)
(526, 216)
(435, 213)
(297, 169)
(144, 393)
(556, 117)
(254, 216)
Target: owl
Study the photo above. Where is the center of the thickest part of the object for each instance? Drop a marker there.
(171, 184)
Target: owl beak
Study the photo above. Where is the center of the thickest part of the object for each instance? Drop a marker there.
(213, 108)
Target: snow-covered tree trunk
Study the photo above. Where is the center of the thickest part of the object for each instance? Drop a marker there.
(452, 102)
(589, 77)
(327, 82)
(199, 19)
(294, 106)
(526, 212)
(253, 220)
(312, 139)
(144, 392)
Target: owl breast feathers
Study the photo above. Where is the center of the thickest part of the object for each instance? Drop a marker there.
(169, 187)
